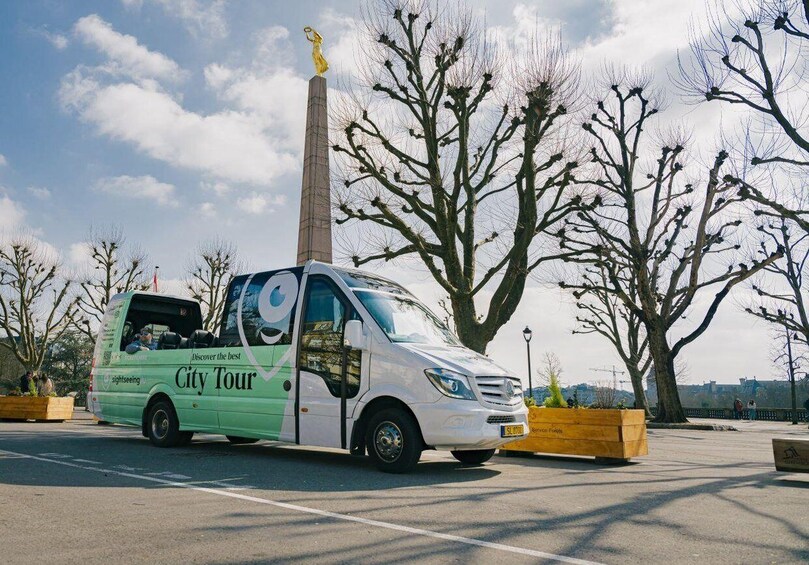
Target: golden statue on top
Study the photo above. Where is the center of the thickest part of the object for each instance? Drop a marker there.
(321, 65)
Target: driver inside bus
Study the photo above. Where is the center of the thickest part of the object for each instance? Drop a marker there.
(143, 342)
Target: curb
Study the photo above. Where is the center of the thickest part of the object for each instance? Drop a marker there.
(702, 427)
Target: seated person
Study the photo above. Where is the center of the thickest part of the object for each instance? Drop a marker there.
(143, 342)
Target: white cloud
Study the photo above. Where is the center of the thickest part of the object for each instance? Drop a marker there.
(174, 287)
(200, 18)
(80, 255)
(12, 214)
(3, 161)
(59, 41)
(207, 210)
(229, 145)
(126, 55)
(40, 193)
(132, 4)
(216, 75)
(217, 187)
(145, 187)
(257, 203)
(641, 34)
(267, 88)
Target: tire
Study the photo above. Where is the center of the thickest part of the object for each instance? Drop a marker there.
(163, 426)
(238, 440)
(394, 441)
(473, 456)
(185, 438)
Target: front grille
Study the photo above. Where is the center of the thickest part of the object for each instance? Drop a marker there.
(493, 389)
(499, 419)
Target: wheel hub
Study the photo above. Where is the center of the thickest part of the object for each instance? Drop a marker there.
(388, 441)
(160, 424)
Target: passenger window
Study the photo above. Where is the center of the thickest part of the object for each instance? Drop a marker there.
(322, 340)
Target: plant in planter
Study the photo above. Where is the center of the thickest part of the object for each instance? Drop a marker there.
(555, 400)
(605, 434)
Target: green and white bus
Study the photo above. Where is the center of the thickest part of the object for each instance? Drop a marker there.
(314, 355)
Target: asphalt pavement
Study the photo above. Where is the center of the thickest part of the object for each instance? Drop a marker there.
(78, 492)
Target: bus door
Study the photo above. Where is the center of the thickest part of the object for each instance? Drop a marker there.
(329, 374)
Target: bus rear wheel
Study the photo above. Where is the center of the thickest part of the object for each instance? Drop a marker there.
(238, 440)
(473, 456)
(394, 441)
(164, 427)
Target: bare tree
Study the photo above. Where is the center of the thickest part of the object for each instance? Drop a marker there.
(605, 394)
(207, 278)
(782, 302)
(35, 303)
(456, 158)
(112, 270)
(603, 313)
(658, 242)
(757, 60)
(549, 366)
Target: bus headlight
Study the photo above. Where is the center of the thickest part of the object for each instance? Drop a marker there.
(450, 383)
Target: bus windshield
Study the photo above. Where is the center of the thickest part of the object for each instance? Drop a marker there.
(404, 319)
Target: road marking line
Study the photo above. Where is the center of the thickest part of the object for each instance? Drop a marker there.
(127, 468)
(323, 513)
(169, 475)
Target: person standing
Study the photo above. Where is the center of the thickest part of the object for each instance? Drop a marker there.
(737, 409)
(751, 410)
(45, 385)
(25, 382)
(806, 407)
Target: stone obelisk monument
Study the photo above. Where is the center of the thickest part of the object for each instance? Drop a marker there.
(314, 233)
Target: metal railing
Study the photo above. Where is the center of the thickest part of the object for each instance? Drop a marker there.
(766, 414)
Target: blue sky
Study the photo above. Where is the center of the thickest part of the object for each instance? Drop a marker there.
(181, 121)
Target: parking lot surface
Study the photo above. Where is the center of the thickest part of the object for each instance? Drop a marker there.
(79, 492)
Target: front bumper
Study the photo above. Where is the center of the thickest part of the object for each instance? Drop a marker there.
(451, 424)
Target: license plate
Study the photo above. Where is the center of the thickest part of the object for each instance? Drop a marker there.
(511, 431)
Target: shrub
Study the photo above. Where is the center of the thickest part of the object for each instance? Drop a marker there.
(529, 401)
(555, 400)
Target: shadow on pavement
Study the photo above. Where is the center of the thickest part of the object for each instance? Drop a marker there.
(264, 465)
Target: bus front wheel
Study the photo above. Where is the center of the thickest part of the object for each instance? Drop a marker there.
(164, 427)
(394, 441)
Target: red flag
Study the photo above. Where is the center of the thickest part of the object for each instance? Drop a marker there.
(154, 280)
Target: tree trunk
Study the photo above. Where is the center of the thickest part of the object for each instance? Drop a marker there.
(669, 407)
(466, 324)
(641, 402)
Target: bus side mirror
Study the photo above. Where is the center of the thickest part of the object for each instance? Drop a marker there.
(353, 337)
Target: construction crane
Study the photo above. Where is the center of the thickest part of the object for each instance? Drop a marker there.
(615, 372)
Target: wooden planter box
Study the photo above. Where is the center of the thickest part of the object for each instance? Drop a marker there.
(39, 408)
(791, 455)
(604, 434)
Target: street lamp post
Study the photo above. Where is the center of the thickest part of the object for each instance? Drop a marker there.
(792, 379)
(527, 334)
